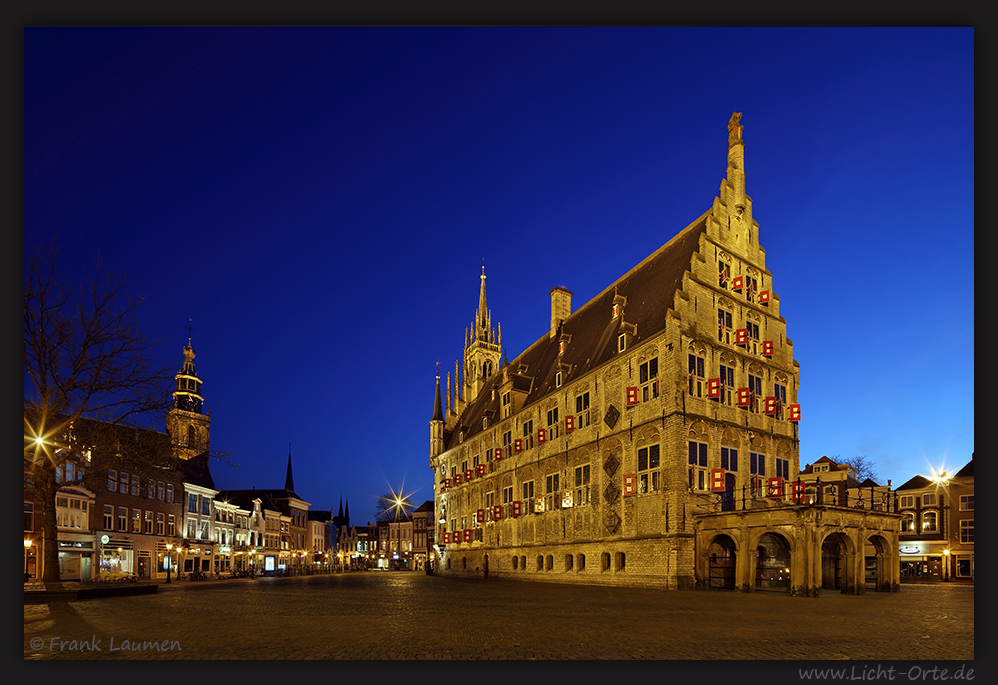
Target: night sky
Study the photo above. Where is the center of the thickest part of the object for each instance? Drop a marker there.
(317, 204)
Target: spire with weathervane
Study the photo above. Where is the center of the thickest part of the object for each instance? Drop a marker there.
(187, 423)
(482, 352)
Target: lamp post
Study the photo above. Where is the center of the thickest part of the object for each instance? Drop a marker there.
(169, 560)
(27, 546)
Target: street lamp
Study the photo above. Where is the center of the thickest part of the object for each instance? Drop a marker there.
(27, 546)
(169, 560)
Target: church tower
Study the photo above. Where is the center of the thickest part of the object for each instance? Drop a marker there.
(482, 350)
(187, 423)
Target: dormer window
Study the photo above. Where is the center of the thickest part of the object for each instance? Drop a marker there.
(557, 379)
(621, 342)
(615, 310)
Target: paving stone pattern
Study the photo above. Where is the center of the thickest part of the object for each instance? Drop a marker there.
(385, 615)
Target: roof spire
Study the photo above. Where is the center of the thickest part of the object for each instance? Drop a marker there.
(289, 481)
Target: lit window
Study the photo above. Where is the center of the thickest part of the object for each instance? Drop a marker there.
(648, 465)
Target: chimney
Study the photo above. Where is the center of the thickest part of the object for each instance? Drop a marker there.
(561, 307)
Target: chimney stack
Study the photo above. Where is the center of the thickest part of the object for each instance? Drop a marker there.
(561, 307)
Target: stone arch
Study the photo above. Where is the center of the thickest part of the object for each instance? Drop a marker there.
(880, 561)
(721, 562)
(774, 554)
(838, 551)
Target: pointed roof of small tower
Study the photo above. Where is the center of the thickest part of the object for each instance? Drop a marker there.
(289, 481)
(438, 412)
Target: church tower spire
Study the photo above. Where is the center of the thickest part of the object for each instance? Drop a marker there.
(187, 423)
(289, 480)
(482, 350)
(437, 423)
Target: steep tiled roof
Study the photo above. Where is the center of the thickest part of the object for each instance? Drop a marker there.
(968, 470)
(591, 332)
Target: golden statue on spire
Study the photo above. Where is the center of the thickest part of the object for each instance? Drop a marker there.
(734, 129)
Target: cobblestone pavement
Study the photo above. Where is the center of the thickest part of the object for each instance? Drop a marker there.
(385, 615)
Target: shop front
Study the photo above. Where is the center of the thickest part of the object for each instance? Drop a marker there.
(921, 562)
(117, 558)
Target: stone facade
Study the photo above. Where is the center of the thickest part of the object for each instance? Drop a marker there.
(639, 428)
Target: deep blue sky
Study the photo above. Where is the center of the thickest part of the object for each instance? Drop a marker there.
(318, 201)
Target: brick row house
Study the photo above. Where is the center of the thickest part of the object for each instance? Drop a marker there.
(649, 437)
(937, 526)
(158, 507)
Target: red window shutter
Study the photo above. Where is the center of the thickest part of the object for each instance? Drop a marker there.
(717, 480)
(570, 423)
(775, 488)
(772, 405)
(741, 336)
(714, 388)
(517, 508)
(467, 534)
(793, 411)
(542, 435)
(798, 491)
(764, 297)
(480, 516)
(498, 454)
(736, 283)
(468, 473)
(744, 397)
(632, 396)
(767, 348)
(480, 469)
(629, 484)
(496, 512)
(446, 538)
(518, 445)
(446, 483)
(457, 479)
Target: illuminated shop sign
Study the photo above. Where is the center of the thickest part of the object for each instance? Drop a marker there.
(911, 549)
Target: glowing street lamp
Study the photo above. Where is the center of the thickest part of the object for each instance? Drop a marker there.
(27, 546)
(169, 559)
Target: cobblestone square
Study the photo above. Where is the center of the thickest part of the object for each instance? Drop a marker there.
(409, 616)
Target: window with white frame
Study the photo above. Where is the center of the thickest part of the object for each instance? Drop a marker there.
(112, 480)
(930, 521)
(648, 465)
(122, 518)
(552, 428)
(906, 502)
(929, 499)
(582, 410)
(552, 495)
(697, 465)
(966, 502)
(528, 434)
(724, 325)
(648, 379)
(967, 531)
(582, 493)
(697, 377)
(907, 522)
(108, 517)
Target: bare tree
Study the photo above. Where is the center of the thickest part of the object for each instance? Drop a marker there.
(90, 378)
(391, 507)
(862, 466)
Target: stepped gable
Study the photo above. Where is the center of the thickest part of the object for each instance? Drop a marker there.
(649, 289)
